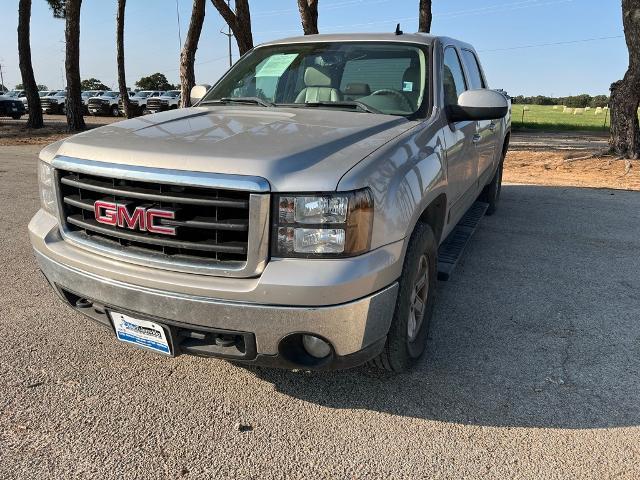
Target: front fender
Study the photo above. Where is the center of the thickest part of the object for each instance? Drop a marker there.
(405, 176)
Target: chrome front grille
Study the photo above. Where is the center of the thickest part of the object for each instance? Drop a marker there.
(217, 230)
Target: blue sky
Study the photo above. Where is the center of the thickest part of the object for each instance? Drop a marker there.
(497, 28)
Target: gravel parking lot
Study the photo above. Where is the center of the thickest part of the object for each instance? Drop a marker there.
(533, 369)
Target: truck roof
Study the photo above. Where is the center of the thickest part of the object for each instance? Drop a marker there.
(419, 38)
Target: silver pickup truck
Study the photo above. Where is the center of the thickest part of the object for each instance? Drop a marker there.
(292, 218)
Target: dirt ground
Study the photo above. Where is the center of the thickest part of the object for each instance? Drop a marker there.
(535, 158)
(559, 168)
(15, 132)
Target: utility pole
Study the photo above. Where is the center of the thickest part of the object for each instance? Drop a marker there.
(228, 34)
(2, 79)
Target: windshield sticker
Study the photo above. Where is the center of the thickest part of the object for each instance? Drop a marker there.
(276, 65)
(407, 86)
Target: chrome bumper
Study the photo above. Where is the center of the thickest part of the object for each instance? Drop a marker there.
(350, 325)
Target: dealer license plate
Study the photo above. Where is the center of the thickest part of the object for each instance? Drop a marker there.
(141, 333)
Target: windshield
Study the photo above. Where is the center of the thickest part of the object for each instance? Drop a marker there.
(172, 93)
(110, 94)
(387, 78)
(144, 94)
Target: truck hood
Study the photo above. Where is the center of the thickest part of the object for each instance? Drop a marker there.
(294, 149)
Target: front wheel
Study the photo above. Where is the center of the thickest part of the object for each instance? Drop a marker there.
(114, 111)
(407, 337)
(16, 117)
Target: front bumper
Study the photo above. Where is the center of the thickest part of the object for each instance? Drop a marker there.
(99, 109)
(348, 302)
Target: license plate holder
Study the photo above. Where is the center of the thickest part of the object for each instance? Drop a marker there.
(142, 333)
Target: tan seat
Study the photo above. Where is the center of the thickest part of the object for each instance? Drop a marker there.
(411, 85)
(318, 87)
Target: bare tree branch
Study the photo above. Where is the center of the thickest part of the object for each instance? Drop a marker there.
(425, 16)
(239, 22)
(188, 54)
(625, 94)
(309, 16)
(122, 78)
(26, 67)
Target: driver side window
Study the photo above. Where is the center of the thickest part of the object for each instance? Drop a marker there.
(453, 79)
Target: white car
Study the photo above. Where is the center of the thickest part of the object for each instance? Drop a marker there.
(86, 95)
(54, 102)
(105, 104)
(138, 102)
(167, 101)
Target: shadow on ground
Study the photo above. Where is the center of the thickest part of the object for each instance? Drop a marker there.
(539, 326)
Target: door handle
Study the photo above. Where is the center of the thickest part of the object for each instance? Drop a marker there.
(492, 126)
(476, 138)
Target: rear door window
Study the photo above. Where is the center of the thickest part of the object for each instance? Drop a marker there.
(473, 69)
(453, 80)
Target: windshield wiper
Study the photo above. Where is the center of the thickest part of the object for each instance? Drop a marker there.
(355, 104)
(251, 100)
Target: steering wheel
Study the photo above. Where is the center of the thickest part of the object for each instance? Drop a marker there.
(403, 98)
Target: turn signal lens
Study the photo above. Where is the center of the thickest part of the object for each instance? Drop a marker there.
(46, 187)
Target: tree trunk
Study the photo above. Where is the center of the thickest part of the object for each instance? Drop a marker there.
(239, 22)
(26, 68)
(122, 78)
(73, 104)
(309, 16)
(625, 94)
(425, 16)
(188, 55)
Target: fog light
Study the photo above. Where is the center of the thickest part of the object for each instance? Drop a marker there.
(316, 347)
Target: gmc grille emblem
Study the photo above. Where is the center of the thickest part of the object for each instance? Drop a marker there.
(143, 219)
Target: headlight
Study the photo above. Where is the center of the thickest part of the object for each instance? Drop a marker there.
(324, 225)
(46, 185)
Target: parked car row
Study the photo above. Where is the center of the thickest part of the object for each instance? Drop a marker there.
(96, 102)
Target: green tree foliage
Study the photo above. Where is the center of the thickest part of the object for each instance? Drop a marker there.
(577, 101)
(41, 88)
(93, 84)
(157, 81)
(57, 7)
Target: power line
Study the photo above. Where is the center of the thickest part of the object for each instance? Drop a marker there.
(552, 44)
(511, 6)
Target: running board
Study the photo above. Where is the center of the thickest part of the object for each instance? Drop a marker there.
(451, 249)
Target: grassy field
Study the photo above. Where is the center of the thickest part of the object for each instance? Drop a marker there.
(546, 118)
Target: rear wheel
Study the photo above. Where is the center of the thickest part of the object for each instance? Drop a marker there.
(491, 193)
(16, 117)
(407, 337)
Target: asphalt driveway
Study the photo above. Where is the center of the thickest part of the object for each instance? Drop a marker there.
(533, 369)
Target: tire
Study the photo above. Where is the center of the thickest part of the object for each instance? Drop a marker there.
(16, 117)
(407, 336)
(115, 112)
(491, 193)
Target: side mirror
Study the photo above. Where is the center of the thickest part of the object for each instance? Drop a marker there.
(474, 105)
(198, 92)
